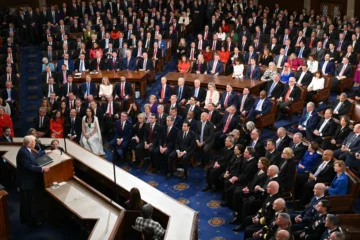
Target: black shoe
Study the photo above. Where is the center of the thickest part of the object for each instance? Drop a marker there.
(223, 204)
(235, 214)
(234, 221)
(184, 178)
(239, 228)
(213, 188)
(169, 175)
(206, 188)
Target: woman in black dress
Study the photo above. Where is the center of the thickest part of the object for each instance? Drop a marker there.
(134, 203)
(138, 135)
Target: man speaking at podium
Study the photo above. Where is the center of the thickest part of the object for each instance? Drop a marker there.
(29, 178)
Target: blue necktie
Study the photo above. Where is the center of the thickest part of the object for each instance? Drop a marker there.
(9, 93)
(180, 93)
(88, 89)
(72, 127)
(81, 66)
(300, 54)
(196, 92)
(271, 89)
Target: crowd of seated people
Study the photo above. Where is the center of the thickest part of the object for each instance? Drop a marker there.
(291, 53)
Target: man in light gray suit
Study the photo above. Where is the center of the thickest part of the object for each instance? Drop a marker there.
(318, 51)
(122, 51)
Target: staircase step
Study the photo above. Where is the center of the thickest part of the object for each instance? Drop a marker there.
(31, 108)
(32, 97)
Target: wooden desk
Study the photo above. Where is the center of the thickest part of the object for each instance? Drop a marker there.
(131, 76)
(220, 81)
(182, 223)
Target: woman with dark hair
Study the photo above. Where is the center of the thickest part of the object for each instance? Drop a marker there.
(183, 65)
(341, 132)
(317, 83)
(95, 48)
(57, 125)
(310, 159)
(138, 135)
(134, 202)
(65, 111)
(133, 111)
(91, 134)
(115, 33)
(224, 55)
(45, 103)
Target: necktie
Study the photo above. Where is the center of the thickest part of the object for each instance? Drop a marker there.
(214, 66)
(185, 134)
(180, 92)
(259, 105)
(300, 53)
(162, 92)
(192, 54)
(226, 100)
(214, 45)
(242, 103)
(122, 90)
(320, 168)
(71, 105)
(288, 94)
(202, 132)
(98, 64)
(322, 126)
(150, 133)
(227, 124)
(72, 126)
(350, 142)
(88, 89)
(110, 109)
(81, 65)
(41, 122)
(338, 107)
(271, 89)
(342, 71)
(253, 144)
(279, 61)
(9, 77)
(209, 118)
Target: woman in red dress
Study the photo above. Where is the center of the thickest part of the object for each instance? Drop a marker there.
(56, 126)
(5, 121)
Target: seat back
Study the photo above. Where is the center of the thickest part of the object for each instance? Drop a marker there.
(267, 119)
(356, 113)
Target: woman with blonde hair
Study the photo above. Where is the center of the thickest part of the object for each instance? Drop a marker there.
(269, 72)
(294, 62)
(181, 49)
(287, 169)
(212, 95)
(147, 112)
(137, 135)
(266, 58)
(153, 104)
(105, 89)
(200, 65)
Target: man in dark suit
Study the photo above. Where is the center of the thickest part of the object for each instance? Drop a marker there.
(87, 88)
(123, 132)
(283, 139)
(228, 98)
(274, 88)
(97, 64)
(41, 123)
(113, 63)
(204, 138)
(302, 51)
(290, 94)
(10, 95)
(81, 64)
(326, 127)
(298, 147)
(272, 154)
(341, 106)
(261, 106)
(128, 63)
(198, 92)
(334, 55)
(229, 122)
(73, 129)
(123, 90)
(192, 107)
(144, 63)
(326, 66)
(215, 66)
(150, 142)
(49, 88)
(257, 143)
(322, 173)
(303, 77)
(164, 92)
(344, 70)
(9, 76)
(245, 101)
(68, 87)
(214, 115)
(350, 144)
(308, 120)
(182, 91)
(6, 137)
(166, 144)
(29, 178)
(47, 74)
(184, 148)
(111, 112)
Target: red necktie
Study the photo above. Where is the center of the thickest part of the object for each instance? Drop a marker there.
(226, 100)
(71, 106)
(192, 54)
(229, 47)
(227, 124)
(162, 92)
(206, 36)
(288, 94)
(214, 45)
(154, 53)
(122, 90)
(209, 118)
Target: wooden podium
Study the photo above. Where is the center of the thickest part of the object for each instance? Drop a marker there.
(4, 217)
(61, 169)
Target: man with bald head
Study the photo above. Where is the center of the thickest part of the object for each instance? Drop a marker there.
(30, 176)
(259, 226)
(204, 138)
(266, 210)
(261, 107)
(322, 173)
(282, 235)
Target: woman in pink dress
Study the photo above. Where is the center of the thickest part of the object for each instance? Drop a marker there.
(357, 76)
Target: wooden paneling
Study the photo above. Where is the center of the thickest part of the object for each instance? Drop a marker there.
(16, 3)
(357, 8)
(316, 4)
(284, 4)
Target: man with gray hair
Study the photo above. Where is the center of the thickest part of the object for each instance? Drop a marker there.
(146, 222)
(282, 222)
(274, 88)
(129, 62)
(297, 146)
(308, 120)
(337, 236)
(283, 140)
(331, 223)
(29, 178)
(290, 94)
(341, 106)
(161, 116)
(182, 91)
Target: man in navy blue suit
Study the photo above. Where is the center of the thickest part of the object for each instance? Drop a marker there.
(129, 63)
(261, 107)
(326, 66)
(253, 71)
(123, 90)
(228, 98)
(123, 131)
(164, 92)
(215, 66)
(87, 88)
(344, 70)
(308, 120)
(229, 122)
(166, 144)
(29, 178)
(350, 145)
(250, 55)
(113, 63)
(68, 62)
